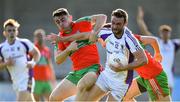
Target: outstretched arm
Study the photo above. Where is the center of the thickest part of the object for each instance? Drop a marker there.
(97, 21)
(140, 21)
(149, 40)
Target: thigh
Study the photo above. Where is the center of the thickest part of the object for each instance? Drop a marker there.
(25, 96)
(110, 98)
(64, 89)
(98, 90)
(133, 91)
(158, 87)
(87, 81)
(95, 93)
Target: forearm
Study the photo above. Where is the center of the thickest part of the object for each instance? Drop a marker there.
(98, 21)
(152, 41)
(36, 55)
(79, 36)
(143, 27)
(61, 57)
(139, 60)
(136, 64)
(156, 48)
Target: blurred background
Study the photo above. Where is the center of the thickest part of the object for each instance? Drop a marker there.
(33, 14)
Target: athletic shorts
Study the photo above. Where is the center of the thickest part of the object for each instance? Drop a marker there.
(24, 84)
(113, 83)
(75, 76)
(42, 87)
(155, 86)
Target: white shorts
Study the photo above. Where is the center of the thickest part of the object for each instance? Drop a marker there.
(24, 84)
(114, 83)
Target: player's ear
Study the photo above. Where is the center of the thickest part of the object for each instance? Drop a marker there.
(4, 33)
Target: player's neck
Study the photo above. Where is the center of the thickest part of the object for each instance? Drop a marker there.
(11, 41)
(166, 41)
(119, 34)
(67, 29)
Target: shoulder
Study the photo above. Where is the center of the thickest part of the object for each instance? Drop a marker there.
(2, 44)
(23, 40)
(176, 41)
(105, 33)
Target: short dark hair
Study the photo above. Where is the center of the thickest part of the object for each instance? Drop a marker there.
(119, 13)
(60, 12)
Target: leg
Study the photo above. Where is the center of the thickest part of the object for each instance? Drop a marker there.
(158, 88)
(63, 90)
(37, 97)
(85, 84)
(164, 98)
(38, 90)
(47, 90)
(25, 96)
(95, 93)
(110, 98)
(132, 92)
(46, 96)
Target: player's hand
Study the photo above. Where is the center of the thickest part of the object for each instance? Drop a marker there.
(158, 57)
(30, 64)
(54, 38)
(10, 62)
(140, 14)
(73, 46)
(118, 68)
(93, 36)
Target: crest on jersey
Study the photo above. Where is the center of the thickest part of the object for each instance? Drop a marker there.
(18, 48)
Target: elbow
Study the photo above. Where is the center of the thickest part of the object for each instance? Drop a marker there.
(103, 18)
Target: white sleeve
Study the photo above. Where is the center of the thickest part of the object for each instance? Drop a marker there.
(104, 33)
(177, 41)
(133, 43)
(29, 44)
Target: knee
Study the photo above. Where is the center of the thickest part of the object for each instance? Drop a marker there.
(129, 99)
(82, 85)
(54, 97)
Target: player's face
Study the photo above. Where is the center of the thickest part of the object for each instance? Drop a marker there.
(11, 32)
(62, 21)
(165, 34)
(117, 24)
(39, 37)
